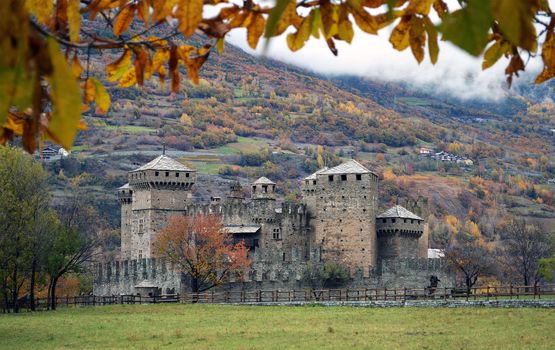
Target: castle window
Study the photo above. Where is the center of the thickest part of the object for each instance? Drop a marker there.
(359, 177)
(405, 221)
(265, 188)
(140, 254)
(283, 256)
(176, 174)
(141, 225)
(314, 182)
(343, 177)
(155, 173)
(186, 174)
(277, 234)
(384, 221)
(254, 188)
(307, 182)
(330, 178)
(411, 221)
(393, 221)
(167, 173)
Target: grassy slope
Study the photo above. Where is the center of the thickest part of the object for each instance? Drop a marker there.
(243, 327)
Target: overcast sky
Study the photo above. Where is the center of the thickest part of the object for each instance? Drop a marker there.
(456, 72)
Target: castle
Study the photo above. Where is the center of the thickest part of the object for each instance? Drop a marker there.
(336, 221)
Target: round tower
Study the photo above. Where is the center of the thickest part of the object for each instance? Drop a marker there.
(399, 231)
(125, 195)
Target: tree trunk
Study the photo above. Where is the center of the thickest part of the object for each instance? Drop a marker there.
(32, 286)
(15, 302)
(53, 293)
(195, 288)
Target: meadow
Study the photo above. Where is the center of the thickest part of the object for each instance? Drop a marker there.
(275, 327)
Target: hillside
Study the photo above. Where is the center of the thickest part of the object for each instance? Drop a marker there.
(250, 117)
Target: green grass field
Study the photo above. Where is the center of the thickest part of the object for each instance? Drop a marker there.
(261, 327)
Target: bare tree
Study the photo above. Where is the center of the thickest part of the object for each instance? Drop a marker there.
(472, 259)
(522, 248)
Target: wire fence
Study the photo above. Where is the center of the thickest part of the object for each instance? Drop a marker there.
(312, 295)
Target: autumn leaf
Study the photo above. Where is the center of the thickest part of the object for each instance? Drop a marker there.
(74, 19)
(417, 38)
(419, 7)
(401, 34)
(128, 78)
(344, 26)
(66, 99)
(493, 54)
(433, 48)
(468, 27)
(548, 55)
(515, 65)
(102, 98)
(515, 19)
(76, 67)
(117, 68)
(189, 14)
(42, 9)
(143, 11)
(255, 29)
(330, 16)
(89, 91)
(281, 16)
(141, 61)
(162, 9)
(296, 40)
(124, 19)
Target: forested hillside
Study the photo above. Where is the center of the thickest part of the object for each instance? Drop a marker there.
(250, 117)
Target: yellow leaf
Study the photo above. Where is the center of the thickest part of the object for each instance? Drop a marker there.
(492, 55)
(363, 19)
(283, 14)
(296, 40)
(189, 14)
(124, 19)
(330, 16)
(88, 91)
(74, 19)
(417, 38)
(76, 67)
(128, 78)
(66, 99)
(400, 35)
(548, 56)
(42, 9)
(419, 6)
(117, 68)
(160, 57)
(143, 11)
(344, 25)
(102, 98)
(255, 29)
(433, 47)
(162, 9)
(515, 19)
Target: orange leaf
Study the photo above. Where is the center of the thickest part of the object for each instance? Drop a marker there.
(124, 19)
(189, 14)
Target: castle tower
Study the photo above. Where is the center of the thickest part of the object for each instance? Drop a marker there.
(420, 207)
(160, 189)
(125, 195)
(264, 188)
(236, 193)
(343, 203)
(398, 233)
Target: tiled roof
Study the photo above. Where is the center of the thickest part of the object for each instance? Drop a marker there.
(164, 162)
(264, 181)
(350, 167)
(313, 175)
(398, 212)
(242, 228)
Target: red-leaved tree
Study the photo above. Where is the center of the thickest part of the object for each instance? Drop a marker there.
(201, 247)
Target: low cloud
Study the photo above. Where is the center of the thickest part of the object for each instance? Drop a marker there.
(456, 73)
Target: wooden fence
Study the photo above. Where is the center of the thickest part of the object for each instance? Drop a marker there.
(285, 296)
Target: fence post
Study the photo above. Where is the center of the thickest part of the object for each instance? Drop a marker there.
(384, 293)
(487, 291)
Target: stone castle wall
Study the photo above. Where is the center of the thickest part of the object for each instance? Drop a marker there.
(117, 278)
